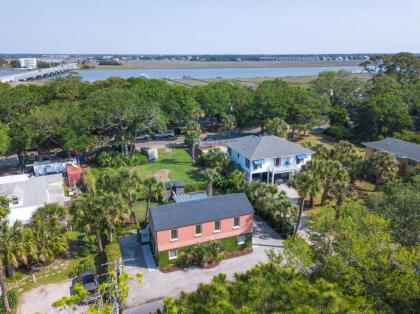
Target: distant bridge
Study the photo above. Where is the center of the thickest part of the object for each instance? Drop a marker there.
(39, 73)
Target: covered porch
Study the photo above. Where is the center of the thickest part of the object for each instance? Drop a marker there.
(272, 177)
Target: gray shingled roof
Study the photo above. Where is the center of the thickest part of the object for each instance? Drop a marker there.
(396, 147)
(35, 191)
(266, 146)
(176, 215)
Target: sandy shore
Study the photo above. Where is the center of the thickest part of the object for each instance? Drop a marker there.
(224, 64)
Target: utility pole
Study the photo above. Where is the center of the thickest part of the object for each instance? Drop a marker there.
(118, 267)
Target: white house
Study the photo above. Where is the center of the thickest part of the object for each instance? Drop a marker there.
(28, 193)
(28, 63)
(268, 158)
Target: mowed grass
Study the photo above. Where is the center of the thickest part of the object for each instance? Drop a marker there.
(140, 209)
(179, 163)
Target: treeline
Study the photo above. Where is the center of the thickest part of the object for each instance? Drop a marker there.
(70, 114)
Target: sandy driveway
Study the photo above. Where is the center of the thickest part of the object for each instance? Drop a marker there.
(41, 298)
(156, 285)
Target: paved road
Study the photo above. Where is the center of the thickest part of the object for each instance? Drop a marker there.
(156, 285)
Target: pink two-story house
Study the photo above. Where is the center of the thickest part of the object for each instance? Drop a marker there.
(225, 218)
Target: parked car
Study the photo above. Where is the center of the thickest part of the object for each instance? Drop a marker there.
(166, 134)
(143, 137)
(279, 181)
(89, 281)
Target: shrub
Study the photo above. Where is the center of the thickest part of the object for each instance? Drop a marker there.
(13, 301)
(409, 136)
(108, 158)
(195, 187)
(112, 253)
(339, 132)
(202, 254)
(136, 159)
(16, 277)
(115, 159)
(84, 264)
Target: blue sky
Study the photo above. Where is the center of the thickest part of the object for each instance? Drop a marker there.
(212, 26)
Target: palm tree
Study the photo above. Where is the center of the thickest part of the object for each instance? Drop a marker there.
(228, 123)
(331, 171)
(4, 212)
(301, 182)
(313, 168)
(383, 165)
(154, 189)
(210, 176)
(130, 184)
(89, 216)
(109, 181)
(192, 137)
(53, 213)
(113, 208)
(281, 209)
(277, 127)
(340, 190)
(237, 179)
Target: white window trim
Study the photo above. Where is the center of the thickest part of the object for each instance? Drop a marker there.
(173, 257)
(241, 242)
(238, 226)
(174, 239)
(198, 234)
(220, 227)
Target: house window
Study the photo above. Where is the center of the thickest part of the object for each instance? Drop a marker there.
(217, 226)
(236, 222)
(173, 254)
(174, 234)
(238, 155)
(198, 230)
(277, 162)
(15, 200)
(247, 164)
(241, 239)
(230, 151)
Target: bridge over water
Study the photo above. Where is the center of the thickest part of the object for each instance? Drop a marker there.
(39, 73)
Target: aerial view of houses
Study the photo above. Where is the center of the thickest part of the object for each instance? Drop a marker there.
(209, 157)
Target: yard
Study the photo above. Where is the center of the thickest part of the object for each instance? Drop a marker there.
(177, 161)
(58, 270)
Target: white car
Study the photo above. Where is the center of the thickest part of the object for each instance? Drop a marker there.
(143, 137)
(168, 133)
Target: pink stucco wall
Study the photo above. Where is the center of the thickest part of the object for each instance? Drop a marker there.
(186, 235)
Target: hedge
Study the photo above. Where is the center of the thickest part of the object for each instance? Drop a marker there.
(112, 253)
(13, 301)
(195, 187)
(228, 245)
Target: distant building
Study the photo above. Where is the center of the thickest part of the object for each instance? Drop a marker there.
(406, 153)
(42, 168)
(28, 193)
(175, 227)
(27, 63)
(268, 158)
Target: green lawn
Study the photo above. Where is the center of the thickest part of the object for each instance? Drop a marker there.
(140, 209)
(179, 164)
